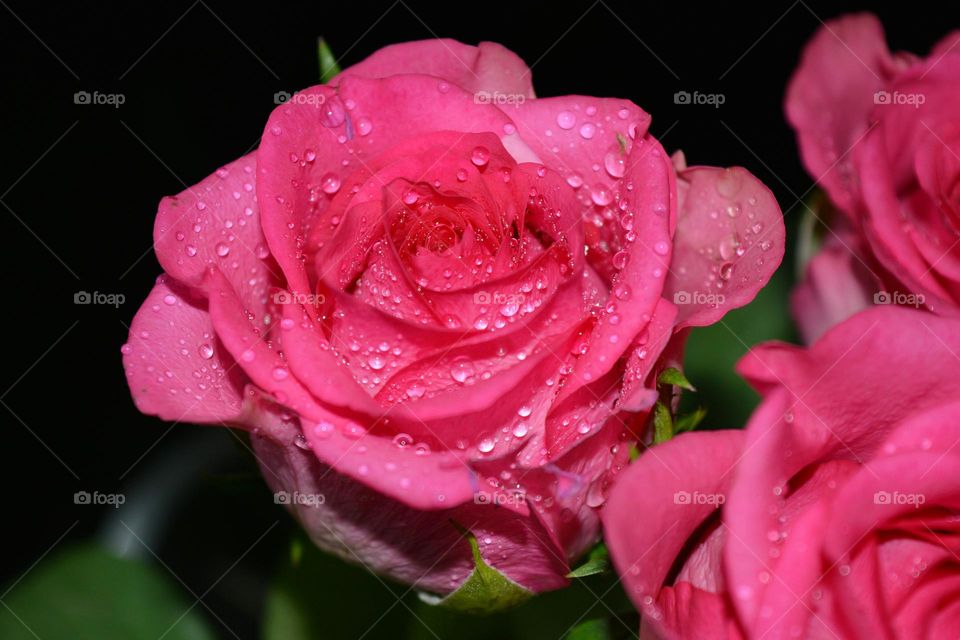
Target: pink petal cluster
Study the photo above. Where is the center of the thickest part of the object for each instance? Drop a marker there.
(880, 133)
(835, 514)
(438, 301)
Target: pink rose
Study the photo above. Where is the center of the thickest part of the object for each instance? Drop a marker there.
(834, 515)
(880, 132)
(439, 302)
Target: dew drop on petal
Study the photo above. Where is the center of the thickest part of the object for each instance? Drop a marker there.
(566, 120)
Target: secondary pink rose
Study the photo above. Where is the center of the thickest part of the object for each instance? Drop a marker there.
(835, 514)
(439, 301)
(880, 133)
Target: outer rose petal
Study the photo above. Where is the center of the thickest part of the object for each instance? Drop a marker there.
(836, 286)
(572, 134)
(729, 241)
(425, 482)
(176, 367)
(366, 527)
(216, 222)
(831, 95)
(651, 515)
(488, 67)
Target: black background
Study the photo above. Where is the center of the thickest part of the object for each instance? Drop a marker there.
(81, 183)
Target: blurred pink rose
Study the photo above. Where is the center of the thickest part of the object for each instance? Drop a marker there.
(433, 297)
(880, 133)
(835, 514)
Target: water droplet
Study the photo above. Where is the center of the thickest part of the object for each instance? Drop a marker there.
(206, 351)
(279, 373)
(480, 156)
(621, 259)
(461, 370)
(333, 113)
(364, 126)
(422, 449)
(615, 163)
(330, 183)
(566, 120)
(402, 440)
(588, 130)
(415, 391)
(601, 196)
(486, 445)
(728, 185)
(222, 249)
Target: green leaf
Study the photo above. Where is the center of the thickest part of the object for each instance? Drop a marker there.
(689, 422)
(486, 590)
(328, 64)
(598, 561)
(662, 423)
(596, 629)
(85, 593)
(676, 378)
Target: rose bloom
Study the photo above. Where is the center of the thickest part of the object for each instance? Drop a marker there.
(440, 303)
(880, 132)
(836, 514)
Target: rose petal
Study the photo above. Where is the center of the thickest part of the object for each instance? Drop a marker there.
(216, 222)
(366, 527)
(836, 286)
(831, 95)
(175, 365)
(839, 421)
(656, 507)
(432, 481)
(488, 70)
(729, 241)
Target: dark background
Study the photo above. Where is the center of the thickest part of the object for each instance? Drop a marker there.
(81, 183)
